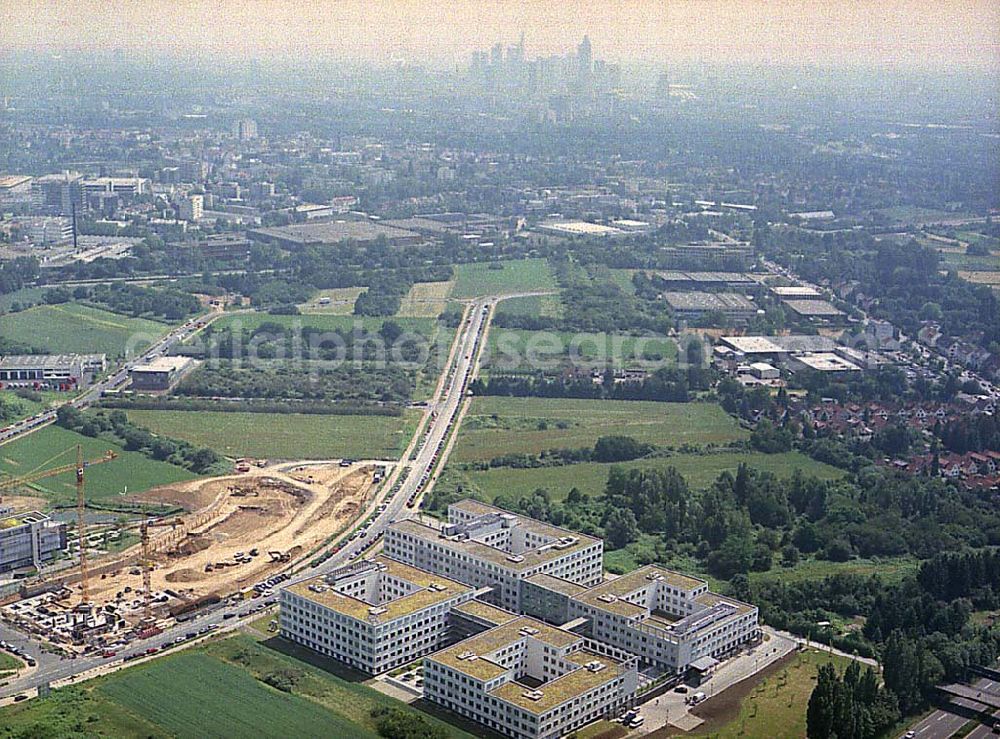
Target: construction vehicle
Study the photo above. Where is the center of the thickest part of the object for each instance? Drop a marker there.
(277, 556)
(79, 467)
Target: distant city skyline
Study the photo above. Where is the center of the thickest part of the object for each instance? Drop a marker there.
(891, 33)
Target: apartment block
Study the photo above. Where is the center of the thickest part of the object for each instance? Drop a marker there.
(487, 547)
(530, 680)
(373, 615)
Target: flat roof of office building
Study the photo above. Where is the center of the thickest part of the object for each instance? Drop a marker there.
(507, 560)
(470, 656)
(433, 590)
(557, 584)
(579, 228)
(608, 596)
(563, 688)
(485, 611)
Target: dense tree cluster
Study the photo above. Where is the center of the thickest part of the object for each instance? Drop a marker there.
(16, 273)
(277, 380)
(274, 340)
(849, 706)
(392, 723)
(134, 300)
(665, 384)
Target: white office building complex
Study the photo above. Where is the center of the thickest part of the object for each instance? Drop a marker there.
(520, 629)
(373, 615)
(530, 680)
(484, 546)
(667, 619)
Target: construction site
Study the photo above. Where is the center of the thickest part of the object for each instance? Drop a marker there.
(236, 535)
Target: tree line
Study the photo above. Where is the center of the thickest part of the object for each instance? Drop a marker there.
(115, 425)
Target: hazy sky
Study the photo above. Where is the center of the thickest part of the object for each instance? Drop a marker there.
(902, 33)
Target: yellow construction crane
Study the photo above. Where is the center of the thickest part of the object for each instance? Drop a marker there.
(79, 466)
(147, 567)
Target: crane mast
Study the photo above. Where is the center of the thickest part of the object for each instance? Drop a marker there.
(80, 524)
(147, 567)
(78, 467)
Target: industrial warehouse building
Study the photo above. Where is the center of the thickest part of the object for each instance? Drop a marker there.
(333, 232)
(815, 310)
(159, 374)
(675, 280)
(711, 255)
(518, 628)
(693, 305)
(50, 371)
(29, 540)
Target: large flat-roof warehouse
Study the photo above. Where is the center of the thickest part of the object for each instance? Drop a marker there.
(696, 304)
(814, 308)
(777, 345)
(333, 232)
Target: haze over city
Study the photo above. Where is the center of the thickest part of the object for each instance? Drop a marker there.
(889, 33)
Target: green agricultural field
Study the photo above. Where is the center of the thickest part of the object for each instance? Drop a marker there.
(517, 275)
(966, 262)
(426, 300)
(912, 214)
(496, 425)
(323, 322)
(321, 680)
(516, 348)
(72, 328)
(54, 446)
(285, 435)
(341, 301)
(700, 470)
(533, 305)
(196, 695)
(623, 278)
(216, 690)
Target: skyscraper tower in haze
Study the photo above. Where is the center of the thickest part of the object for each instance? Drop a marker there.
(585, 67)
